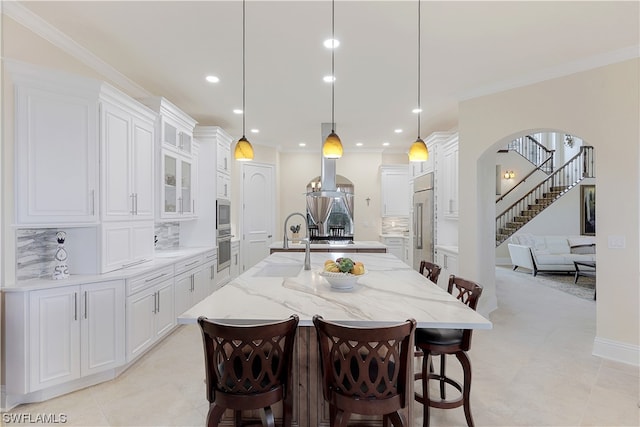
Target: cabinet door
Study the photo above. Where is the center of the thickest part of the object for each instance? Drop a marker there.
(165, 318)
(56, 157)
(116, 246)
(183, 291)
(142, 238)
(395, 192)
(170, 178)
(54, 336)
(117, 193)
(223, 186)
(185, 142)
(451, 181)
(102, 326)
(185, 200)
(209, 271)
(141, 322)
(143, 182)
(224, 157)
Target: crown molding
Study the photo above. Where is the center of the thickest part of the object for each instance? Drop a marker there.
(39, 26)
(566, 69)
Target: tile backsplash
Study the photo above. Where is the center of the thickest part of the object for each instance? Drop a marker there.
(35, 251)
(167, 235)
(36, 248)
(395, 225)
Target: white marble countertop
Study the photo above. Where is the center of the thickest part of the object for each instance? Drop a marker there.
(390, 291)
(162, 259)
(357, 244)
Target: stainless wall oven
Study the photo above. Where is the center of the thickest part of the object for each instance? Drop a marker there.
(224, 249)
(223, 231)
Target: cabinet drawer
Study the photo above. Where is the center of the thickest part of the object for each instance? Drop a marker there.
(393, 241)
(146, 280)
(188, 264)
(209, 256)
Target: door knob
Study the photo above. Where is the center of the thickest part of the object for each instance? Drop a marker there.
(269, 236)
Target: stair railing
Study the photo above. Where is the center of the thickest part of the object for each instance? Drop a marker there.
(537, 154)
(539, 168)
(556, 185)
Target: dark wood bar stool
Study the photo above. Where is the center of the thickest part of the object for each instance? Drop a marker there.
(434, 342)
(248, 367)
(365, 370)
(430, 270)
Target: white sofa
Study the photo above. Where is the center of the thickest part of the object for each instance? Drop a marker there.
(550, 253)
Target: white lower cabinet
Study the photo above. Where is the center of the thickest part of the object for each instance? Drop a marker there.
(447, 259)
(398, 246)
(150, 310)
(191, 284)
(75, 331)
(235, 259)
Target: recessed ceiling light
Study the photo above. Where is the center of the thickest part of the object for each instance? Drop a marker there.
(331, 43)
(329, 79)
(386, 144)
(302, 144)
(398, 131)
(255, 130)
(416, 110)
(212, 79)
(237, 111)
(359, 144)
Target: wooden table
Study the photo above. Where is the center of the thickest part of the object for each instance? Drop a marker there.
(389, 292)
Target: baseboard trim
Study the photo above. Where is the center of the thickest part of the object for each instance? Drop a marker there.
(616, 351)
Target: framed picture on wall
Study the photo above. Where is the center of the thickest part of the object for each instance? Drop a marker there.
(588, 210)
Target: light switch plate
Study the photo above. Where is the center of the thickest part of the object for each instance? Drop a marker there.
(616, 242)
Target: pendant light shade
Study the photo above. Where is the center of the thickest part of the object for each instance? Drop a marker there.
(418, 151)
(243, 150)
(332, 147)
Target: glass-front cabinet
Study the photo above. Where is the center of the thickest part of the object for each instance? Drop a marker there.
(178, 199)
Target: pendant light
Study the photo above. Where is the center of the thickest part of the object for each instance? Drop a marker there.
(418, 151)
(332, 147)
(244, 150)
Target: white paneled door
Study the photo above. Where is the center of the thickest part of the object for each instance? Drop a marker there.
(258, 203)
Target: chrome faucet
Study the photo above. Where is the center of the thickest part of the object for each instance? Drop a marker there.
(285, 239)
(307, 253)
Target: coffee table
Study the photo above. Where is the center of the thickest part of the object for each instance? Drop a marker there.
(590, 271)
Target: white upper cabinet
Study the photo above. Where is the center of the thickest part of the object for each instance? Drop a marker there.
(177, 160)
(127, 150)
(56, 147)
(395, 190)
(448, 178)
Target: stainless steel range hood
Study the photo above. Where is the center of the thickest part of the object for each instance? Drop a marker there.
(328, 193)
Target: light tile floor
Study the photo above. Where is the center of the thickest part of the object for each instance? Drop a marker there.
(534, 368)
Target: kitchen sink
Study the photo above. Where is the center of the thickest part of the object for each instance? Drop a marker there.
(279, 270)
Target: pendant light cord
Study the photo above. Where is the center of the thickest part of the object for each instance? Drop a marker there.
(419, 106)
(333, 76)
(243, 66)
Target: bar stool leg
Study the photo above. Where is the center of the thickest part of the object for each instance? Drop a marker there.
(466, 392)
(426, 362)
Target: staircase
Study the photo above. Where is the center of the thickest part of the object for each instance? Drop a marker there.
(537, 154)
(557, 184)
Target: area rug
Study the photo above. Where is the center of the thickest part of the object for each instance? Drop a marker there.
(584, 289)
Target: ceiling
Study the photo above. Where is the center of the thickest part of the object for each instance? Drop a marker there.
(467, 49)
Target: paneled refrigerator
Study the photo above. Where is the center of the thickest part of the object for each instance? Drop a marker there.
(423, 221)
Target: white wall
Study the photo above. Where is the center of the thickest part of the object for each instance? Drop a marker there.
(607, 116)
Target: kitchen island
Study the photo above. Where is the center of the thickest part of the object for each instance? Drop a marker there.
(359, 246)
(389, 292)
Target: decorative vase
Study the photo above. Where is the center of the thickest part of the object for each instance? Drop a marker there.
(61, 269)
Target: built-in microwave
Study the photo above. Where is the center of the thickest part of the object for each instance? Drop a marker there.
(223, 214)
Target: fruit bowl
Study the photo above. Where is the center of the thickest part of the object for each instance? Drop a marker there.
(340, 280)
